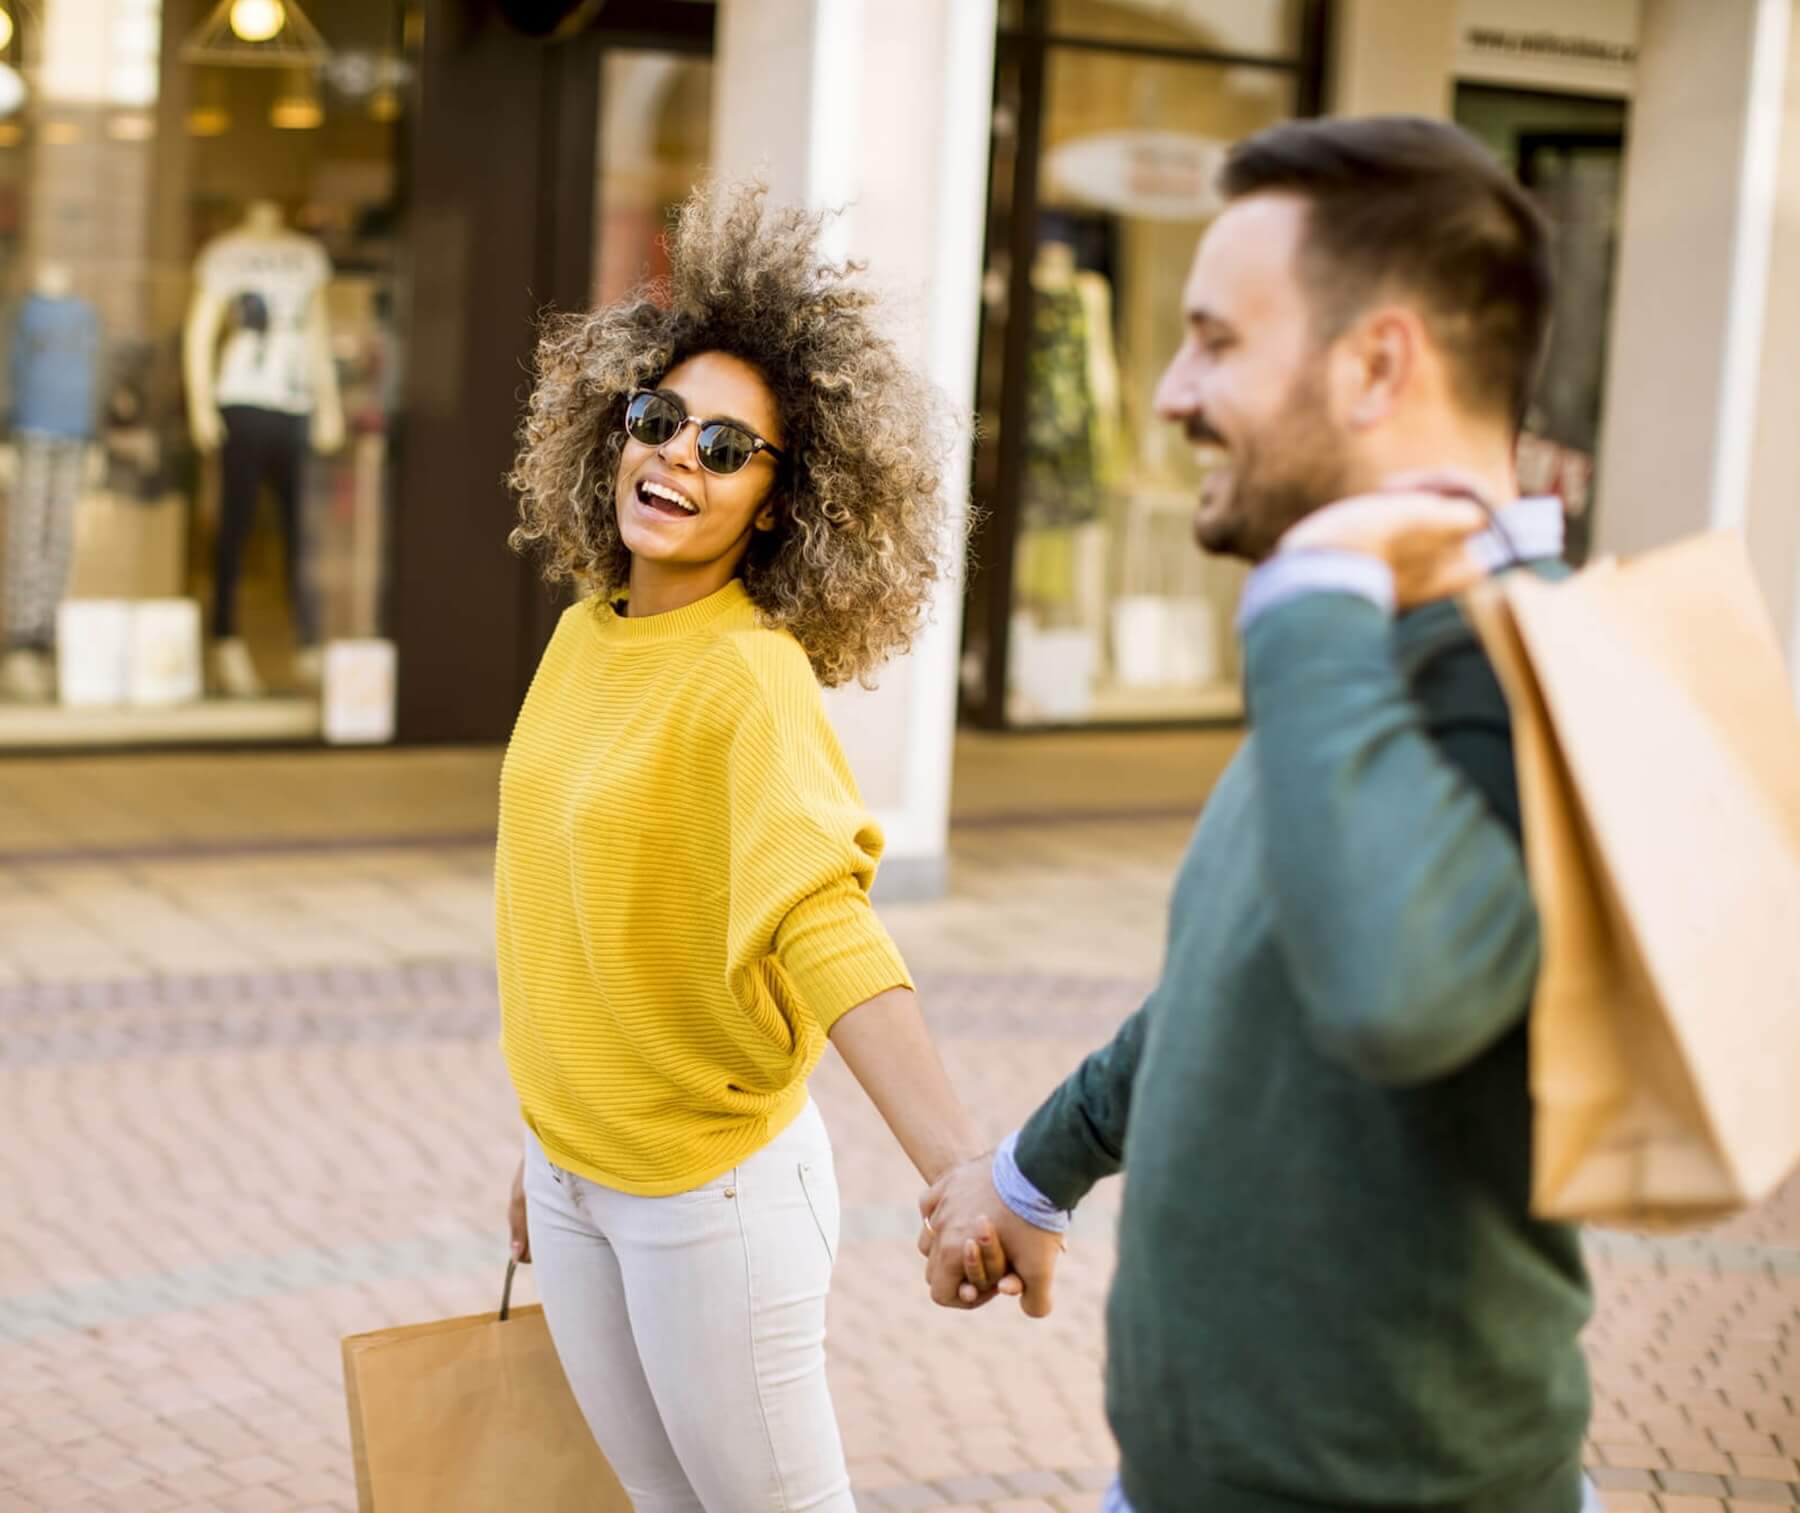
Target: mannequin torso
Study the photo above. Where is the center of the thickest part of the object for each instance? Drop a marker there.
(263, 285)
(55, 358)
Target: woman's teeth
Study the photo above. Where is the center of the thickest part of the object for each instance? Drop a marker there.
(659, 497)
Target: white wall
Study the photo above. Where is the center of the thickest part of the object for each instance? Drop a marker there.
(1703, 383)
(884, 108)
(1392, 57)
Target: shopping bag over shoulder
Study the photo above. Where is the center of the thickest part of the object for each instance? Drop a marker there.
(471, 1415)
(1658, 754)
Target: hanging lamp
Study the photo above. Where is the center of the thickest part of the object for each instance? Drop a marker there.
(257, 34)
(16, 15)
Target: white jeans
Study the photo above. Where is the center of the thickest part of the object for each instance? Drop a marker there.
(692, 1328)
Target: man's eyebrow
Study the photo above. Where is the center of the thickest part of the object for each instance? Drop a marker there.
(1199, 315)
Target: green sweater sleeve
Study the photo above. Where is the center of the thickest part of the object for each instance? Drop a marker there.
(1403, 911)
(1077, 1136)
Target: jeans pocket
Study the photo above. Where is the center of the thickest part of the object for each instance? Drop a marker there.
(819, 1183)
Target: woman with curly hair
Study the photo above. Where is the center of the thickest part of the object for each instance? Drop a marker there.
(746, 480)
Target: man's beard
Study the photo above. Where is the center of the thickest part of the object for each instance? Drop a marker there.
(1277, 477)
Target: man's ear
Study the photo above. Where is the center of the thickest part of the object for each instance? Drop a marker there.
(1384, 349)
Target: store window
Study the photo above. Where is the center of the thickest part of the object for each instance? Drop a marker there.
(1569, 151)
(199, 244)
(1256, 28)
(655, 143)
(1090, 603)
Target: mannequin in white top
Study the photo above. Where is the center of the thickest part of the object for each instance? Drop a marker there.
(265, 396)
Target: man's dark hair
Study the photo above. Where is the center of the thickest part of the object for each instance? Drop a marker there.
(1406, 205)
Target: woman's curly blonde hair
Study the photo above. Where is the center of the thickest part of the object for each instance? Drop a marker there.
(856, 549)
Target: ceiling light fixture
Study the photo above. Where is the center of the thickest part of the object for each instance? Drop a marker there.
(297, 107)
(256, 34)
(208, 121)
(257, 20)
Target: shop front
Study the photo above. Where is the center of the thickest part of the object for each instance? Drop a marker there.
(270, 270)
(1089, 603)
(1548, 89)
(201, 237)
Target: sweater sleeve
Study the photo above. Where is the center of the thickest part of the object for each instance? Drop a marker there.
(1403, 910)
(1077, 1135)
(803, 857)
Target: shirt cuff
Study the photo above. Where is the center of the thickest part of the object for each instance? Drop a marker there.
(1017, 1192)
(1289, 575)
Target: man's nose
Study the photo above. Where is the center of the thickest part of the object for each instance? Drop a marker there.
(1177, 391)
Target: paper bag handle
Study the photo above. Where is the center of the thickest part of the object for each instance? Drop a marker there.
(1513, 559)
(512, 1268)
(1454, 484)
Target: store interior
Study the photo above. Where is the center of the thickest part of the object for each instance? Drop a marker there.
(1113, 616)
(199, 216)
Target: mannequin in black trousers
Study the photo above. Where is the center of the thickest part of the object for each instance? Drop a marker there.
(262, 446)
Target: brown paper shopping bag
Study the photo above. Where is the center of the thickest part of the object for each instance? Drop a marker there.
(471, 1415)
(1658, 753)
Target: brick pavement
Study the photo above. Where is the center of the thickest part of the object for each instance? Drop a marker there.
(253, 1104)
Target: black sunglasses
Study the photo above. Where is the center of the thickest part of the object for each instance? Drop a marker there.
(655, 418)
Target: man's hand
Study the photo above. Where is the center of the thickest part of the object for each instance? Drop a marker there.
(1420, 525)
(970, 1236)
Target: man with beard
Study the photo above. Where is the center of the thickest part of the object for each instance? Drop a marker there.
(1331, 1294)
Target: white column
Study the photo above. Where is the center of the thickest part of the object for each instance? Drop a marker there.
(1392, 57)
(884, 108)
(1703, 388)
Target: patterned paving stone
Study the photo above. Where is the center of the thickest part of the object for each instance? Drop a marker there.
(219, 1161)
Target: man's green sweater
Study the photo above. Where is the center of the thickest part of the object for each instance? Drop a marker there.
(1330, 1291)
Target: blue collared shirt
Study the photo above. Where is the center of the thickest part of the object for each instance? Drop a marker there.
(1528, 530)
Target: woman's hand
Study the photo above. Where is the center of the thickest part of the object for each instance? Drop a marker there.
(515, 1217)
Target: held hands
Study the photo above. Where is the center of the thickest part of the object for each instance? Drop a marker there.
(1419, 524)
(966, 1251)
(970, 1237)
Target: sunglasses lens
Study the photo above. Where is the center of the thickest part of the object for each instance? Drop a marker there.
(651, 419)
(724, 448)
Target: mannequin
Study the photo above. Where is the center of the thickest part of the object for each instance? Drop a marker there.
(261, 399)
(55, 362)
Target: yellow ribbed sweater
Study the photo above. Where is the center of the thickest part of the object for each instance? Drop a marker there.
(681, 889)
